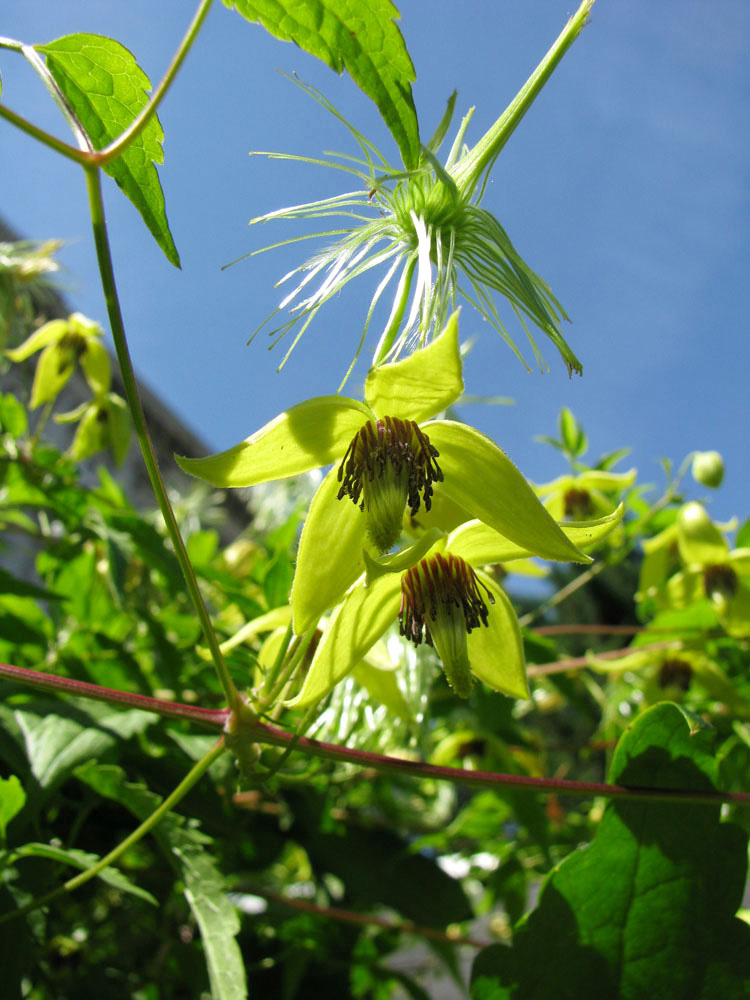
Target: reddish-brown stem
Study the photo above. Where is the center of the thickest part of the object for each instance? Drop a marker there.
(606, 629)
(262, 733)
(577, 662)
(66, 685)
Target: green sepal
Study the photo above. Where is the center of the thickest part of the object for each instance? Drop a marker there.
(329, 558)
(496, 650)
(404, 559)
(699, 540)
(479, 477)
(53, 369)
(310, 434)
(682, 589)
(48, 334)
(423, 384)
(96, 366)
(480, 545)
(357, 625)
(735, 614)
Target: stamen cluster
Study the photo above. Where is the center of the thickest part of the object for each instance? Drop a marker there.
(394, 449)
(439, 586)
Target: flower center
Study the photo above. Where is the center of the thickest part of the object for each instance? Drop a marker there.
(720, 583)
(440, 604)
(578, 504)
(387, 465)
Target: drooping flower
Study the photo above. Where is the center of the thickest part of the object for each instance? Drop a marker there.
(388, 457)
(440, 595)
(65, 343)
(710, 570)
(427, 228)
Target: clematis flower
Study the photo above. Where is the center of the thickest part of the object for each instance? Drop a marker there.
(588, 494)
(710, 570)
(389, 458)
(441, 597)
(424, 225)
(64, 343)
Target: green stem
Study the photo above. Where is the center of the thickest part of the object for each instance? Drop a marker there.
(481, 157)
(132, 132)
(39, 66)
(192, 777)
(44, 137)
(106, 271)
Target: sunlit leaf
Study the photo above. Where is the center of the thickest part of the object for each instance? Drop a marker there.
(648, 908)
(107, 89)
(361, 38)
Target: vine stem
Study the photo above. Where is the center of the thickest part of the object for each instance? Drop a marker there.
(107, 275)
(190, 779)
(86, 155)
(367, 920)
(259, 732)
(132, 132)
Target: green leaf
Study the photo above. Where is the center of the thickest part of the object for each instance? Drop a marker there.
(13, 418)
(423, 384)
(361, 38)
(12, 800)
(107, 89)
(83, 860)
(56, 744)
(479, 477)
(357, 625)
(329, 558)
(648, 909)
(310, 434)
(571, 433)
(9, 584)
(204, 888)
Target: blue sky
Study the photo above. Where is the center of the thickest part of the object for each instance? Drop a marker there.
(625, 187)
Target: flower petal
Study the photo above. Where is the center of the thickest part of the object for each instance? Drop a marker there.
(308, 435)
(48, 334)
(421, 385)
(359, 622)
(480, 545)
(329, 558)
(496, 650)
(481, 478)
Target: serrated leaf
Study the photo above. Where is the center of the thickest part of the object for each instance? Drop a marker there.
(361, 38)
(648, 909)
(84, 860)
(55, 745)
(186, 849)
(107, 89)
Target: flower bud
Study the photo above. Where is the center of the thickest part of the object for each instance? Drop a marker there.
(708, 468)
